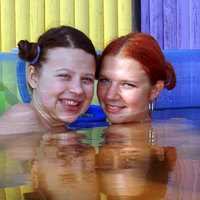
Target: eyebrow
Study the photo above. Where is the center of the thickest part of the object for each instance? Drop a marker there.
(104, 76)
(90, 74)
(124, 80)
(64, 69)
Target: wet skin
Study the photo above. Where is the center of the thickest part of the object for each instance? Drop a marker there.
(64, 87)
(124, 90)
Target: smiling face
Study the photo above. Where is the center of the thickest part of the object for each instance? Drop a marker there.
(124, 90)
(63, 88)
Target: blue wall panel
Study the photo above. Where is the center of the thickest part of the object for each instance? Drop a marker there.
(175, 24)
(187, 91)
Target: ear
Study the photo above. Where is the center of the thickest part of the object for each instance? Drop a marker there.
(32, 77)
(156, 89)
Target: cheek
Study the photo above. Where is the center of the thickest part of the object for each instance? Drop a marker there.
(136, 96)
(89, 91)
(46, 83)
(50, 89)
(101, 91)
(55, 86)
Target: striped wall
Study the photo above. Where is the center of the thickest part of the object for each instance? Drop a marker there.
(174, 23)
(101, 20)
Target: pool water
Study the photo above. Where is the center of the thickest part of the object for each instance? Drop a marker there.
(158, 160)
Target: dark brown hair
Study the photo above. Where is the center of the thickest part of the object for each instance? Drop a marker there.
(146, 50)
(63, 36)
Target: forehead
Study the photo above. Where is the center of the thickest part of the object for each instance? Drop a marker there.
(67, 53)
(118, 65)
(69, 58)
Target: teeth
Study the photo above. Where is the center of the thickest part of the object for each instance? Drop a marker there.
(68, 102)
(113, 107)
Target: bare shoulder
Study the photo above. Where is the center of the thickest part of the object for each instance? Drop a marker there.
(19, 117)
(18, 112)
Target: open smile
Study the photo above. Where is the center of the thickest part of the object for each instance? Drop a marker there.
(69, 102)
(113, 108)
(71, 105)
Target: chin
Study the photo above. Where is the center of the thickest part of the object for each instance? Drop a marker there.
(116, 120)
(69, 119)
(122, 120)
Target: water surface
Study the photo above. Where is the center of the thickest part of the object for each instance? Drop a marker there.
(158, 160)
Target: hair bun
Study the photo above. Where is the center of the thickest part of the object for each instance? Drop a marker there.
(170, 81)
(27, 50)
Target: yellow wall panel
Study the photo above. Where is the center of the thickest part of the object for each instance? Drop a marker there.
(36, 19)
(3, 156)
(2, 194)
(0, 25)
(7, 25)
(13, 193)
(81, 16)
(67, 12)
(110, 20)
(124, 17)
(22, 8)
(52, 13)
(101, 20)
(96, 23)
(25, 189)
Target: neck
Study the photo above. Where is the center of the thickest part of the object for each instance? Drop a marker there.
(46, 120)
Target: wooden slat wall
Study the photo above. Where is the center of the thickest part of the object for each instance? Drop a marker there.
(8, 36)
(109, 20)
(36, 20)
(96, 22)
(101, 20)
(22, 14)
(67, 12)
(52, 13)
(174, 23)
(124, 16)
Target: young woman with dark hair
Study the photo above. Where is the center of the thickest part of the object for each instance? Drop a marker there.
(61, 74)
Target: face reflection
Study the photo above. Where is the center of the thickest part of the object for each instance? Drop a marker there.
(65, 167)
(124, 90)
(64, 86)
(123, 163)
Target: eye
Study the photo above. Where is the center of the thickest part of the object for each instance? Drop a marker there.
(104, 80)
(88, 80)
(64, 76)
(128, 85)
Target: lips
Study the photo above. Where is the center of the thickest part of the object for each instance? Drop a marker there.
(113, 108)
(69, 102)
(71, 105)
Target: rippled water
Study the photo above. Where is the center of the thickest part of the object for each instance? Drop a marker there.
(158, 160)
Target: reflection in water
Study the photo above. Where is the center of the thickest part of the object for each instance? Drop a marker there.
(130, 168)
(133, 161)
(64, 168)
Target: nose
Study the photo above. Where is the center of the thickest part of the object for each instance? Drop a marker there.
(76, 87)
(113, 92)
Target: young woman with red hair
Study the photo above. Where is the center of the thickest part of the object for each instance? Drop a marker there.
(132, 73)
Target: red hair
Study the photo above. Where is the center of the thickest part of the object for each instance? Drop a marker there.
(146, 50)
